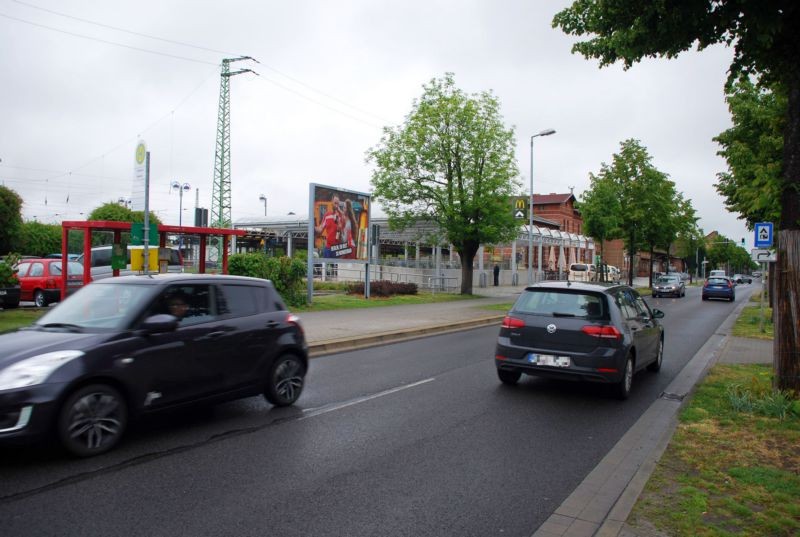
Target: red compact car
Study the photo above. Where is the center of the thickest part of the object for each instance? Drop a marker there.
(40, 280)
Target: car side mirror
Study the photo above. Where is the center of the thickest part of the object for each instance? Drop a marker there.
(658, 314)
(160, 323)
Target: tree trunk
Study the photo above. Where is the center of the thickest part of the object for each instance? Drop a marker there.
(467, 253)
(786, 313)
(650, 271)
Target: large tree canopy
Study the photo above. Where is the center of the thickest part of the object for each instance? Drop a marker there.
(753, 149)
(451, 163)
(764, 34)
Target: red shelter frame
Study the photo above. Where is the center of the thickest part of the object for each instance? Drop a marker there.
(88, 226)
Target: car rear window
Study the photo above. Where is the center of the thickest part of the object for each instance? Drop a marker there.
(718, 281)
(72, 268)
(561, 303)
(578, 268)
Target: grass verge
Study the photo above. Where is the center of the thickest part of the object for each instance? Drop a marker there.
(733, 464)
(13, 319)
(750, 323)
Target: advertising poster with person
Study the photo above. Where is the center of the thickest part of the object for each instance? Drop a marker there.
(340, 224)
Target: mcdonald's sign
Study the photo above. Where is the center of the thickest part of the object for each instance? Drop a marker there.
(520, 207)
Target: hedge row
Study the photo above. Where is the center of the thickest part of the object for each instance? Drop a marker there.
(382, 288)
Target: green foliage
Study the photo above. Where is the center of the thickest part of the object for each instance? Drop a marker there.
(383, 288)
(8, 274)
(753, 149)
(114, 212)
(10, 218)
(452, 164)
(763, 34)
(632, 199)
(287, 274)
(39, 239)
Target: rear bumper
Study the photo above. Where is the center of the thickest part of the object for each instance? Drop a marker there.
(606, 366)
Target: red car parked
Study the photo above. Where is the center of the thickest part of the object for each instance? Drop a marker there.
(40, 280)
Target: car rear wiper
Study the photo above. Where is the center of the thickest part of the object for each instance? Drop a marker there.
(561, 314)
(66, 326)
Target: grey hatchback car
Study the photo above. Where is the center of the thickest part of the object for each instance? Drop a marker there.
(123, 347)
(580, 331)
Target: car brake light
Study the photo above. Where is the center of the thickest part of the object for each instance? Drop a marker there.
(511, 322)
(295, 320)
(602, 331)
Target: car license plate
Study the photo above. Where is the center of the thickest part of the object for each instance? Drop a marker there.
(549, 360)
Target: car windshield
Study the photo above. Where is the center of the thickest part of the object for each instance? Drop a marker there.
(667, 279)
(560, 303)
(110, 306)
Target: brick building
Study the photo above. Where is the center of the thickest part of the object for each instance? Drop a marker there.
(560, 209)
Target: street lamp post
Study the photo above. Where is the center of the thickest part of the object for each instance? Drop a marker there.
(180, 188)
(263, 198)
(546, 132)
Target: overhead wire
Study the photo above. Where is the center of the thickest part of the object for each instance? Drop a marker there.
(208, 49)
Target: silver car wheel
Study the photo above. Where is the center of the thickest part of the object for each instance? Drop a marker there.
(92, 420)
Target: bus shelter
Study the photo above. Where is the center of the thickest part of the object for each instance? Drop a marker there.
(87, 227)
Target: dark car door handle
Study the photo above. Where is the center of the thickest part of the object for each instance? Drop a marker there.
(212, 335)
(272, 324)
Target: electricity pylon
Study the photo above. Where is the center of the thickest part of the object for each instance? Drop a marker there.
(221, 191)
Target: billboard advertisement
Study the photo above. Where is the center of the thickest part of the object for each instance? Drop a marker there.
(340, 223)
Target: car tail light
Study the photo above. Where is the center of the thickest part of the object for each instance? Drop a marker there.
(602, 331)
(295, 320)
(50, 283)
(512, 322)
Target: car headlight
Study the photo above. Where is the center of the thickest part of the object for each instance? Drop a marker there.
(34, 370)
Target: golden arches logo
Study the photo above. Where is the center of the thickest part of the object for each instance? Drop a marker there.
(519, 203)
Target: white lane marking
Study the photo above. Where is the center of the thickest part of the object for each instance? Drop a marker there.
(324, 410)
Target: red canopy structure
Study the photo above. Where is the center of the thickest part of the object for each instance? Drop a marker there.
(88, 226)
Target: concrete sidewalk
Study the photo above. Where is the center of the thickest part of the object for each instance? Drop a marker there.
(342, 330)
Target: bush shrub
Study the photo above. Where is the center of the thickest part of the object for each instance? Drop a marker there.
(382, 288)
(286, 274)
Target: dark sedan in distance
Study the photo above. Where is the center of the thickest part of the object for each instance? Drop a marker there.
(127, 346)
(580, 331)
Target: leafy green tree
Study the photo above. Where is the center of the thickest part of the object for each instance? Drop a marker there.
(114, 212)
(40, 239)
(753, 149)
(452, 164)
(601, 211)
(637, 184)
(10, 219)
(763, 34)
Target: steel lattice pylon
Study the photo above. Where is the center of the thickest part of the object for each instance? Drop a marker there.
(221, 191)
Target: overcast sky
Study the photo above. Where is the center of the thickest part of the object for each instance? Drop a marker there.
(82, 79)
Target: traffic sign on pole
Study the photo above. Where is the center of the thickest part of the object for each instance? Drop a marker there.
(763, 235)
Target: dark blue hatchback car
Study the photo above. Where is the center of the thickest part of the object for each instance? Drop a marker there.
(719, 288)
(122, 347)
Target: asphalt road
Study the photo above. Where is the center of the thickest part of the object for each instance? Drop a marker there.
(417, 438)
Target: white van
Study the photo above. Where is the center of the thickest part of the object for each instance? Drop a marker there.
(717, 274)
(581, 272)
(101, 262)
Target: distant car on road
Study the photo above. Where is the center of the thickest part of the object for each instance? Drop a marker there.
(128, 346)
(719, 287)
(41, 282)
(669, 285)
(742, 278)
(717, 274)
(580, 331)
